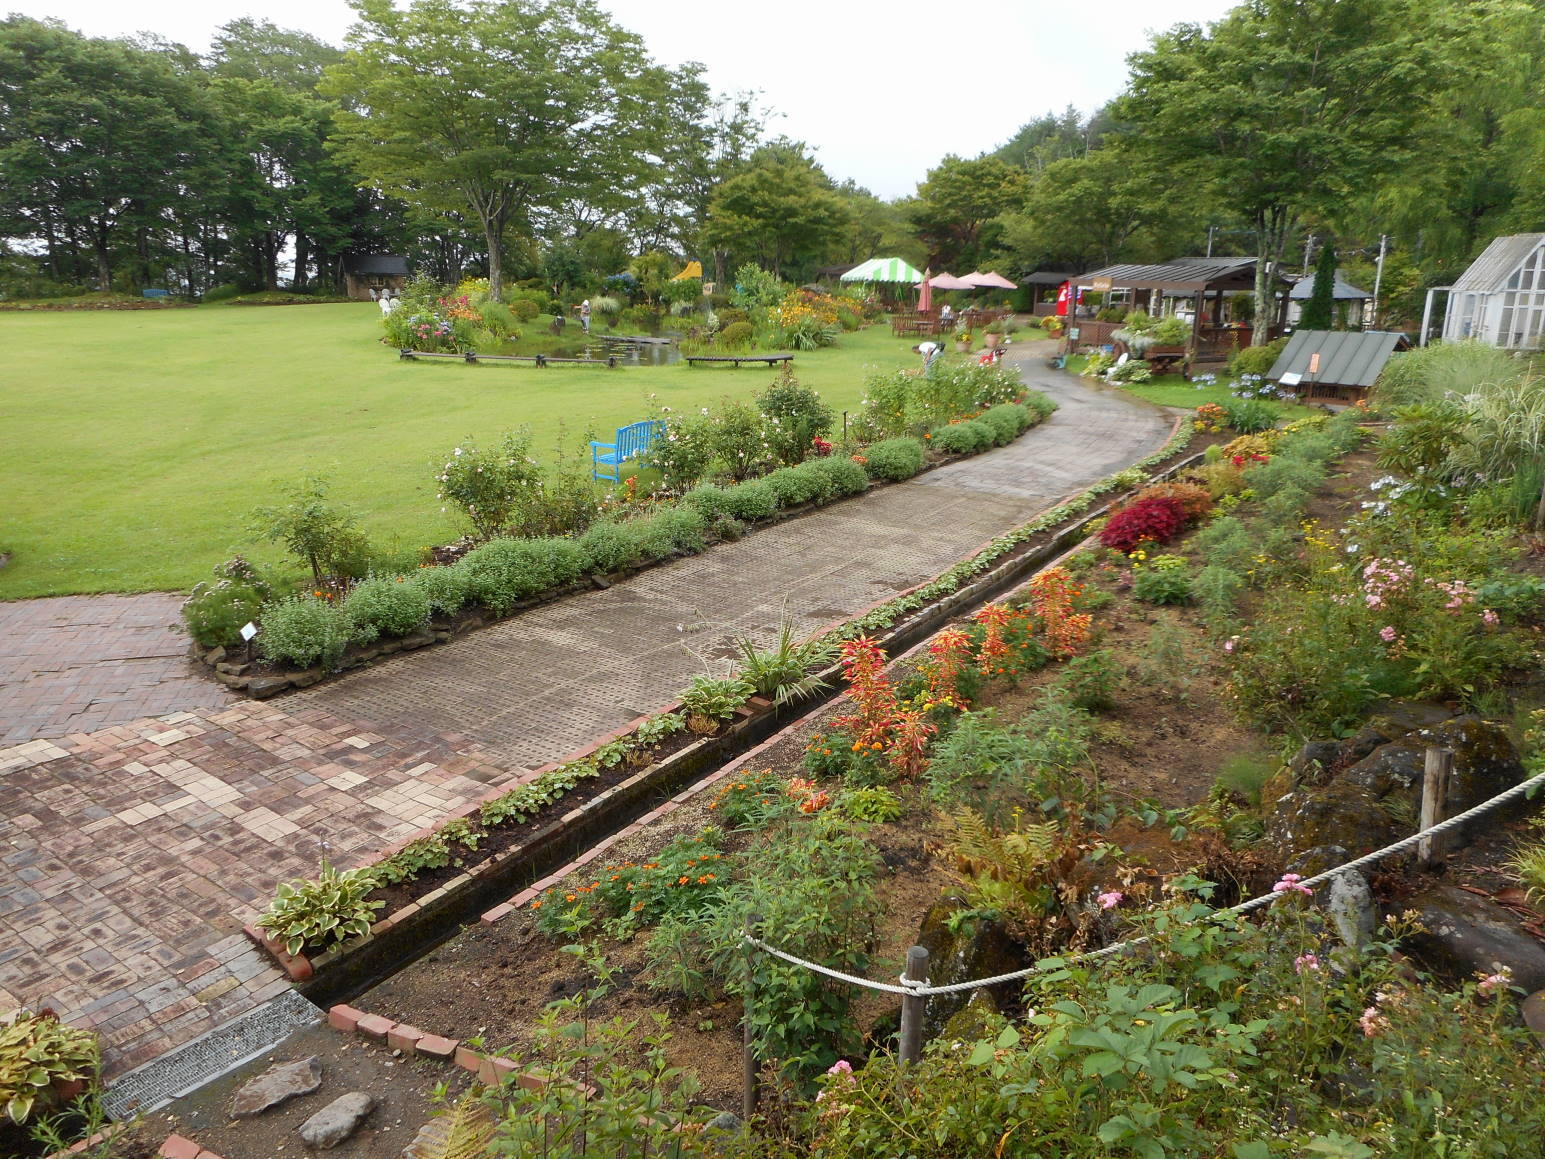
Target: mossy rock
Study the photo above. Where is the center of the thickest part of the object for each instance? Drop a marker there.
(978, 948)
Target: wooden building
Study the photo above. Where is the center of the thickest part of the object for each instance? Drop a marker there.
(363, 273)
(1335, 365)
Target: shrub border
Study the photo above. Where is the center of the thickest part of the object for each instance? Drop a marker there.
(225, 665)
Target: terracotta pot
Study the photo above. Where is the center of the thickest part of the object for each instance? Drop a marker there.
(992, 339)
(963, 347)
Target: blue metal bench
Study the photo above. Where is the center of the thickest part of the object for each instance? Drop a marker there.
(155, 293)
(633, 442)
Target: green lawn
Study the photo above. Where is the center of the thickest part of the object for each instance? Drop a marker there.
(138, 442)
(1173, 390)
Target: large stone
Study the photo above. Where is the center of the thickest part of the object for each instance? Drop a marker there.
(977, 948)
(265, 686)
(277, 1084)
(1465, 935)
(1485, 764)
(337, 1121)
(1313, 764)
(1345, 815)
(1534, 1014)
(1349, 902)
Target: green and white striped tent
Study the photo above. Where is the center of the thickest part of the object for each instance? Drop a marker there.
(884, 270)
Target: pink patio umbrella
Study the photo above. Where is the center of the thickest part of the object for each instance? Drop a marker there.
(988, 280)
(950, 282)
(924, 295)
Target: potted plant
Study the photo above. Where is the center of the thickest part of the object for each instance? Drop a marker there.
(963, 340)
(992, 334)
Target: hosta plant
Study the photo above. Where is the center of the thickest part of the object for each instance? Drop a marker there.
(37, 1050)
(323, 912)
(711, 699)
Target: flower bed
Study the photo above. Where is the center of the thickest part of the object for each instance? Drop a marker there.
(429, 906)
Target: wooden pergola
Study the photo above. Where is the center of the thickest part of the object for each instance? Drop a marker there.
(1204, 280)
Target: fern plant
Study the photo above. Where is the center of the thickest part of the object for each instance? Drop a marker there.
(467, 1132)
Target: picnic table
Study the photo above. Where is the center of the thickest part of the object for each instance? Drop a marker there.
(737, 359)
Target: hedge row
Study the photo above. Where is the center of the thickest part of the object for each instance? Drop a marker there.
(309, 630)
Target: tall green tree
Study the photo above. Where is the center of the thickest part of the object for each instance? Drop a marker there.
(496, 109)
(779, 211)
(957, 204)
(1320, 311)
(1300, 104)
(96, 140)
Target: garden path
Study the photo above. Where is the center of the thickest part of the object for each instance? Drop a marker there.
(80, 663)
(131, 856)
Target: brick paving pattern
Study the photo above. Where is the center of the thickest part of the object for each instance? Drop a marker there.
(77, 663)
(132, 853)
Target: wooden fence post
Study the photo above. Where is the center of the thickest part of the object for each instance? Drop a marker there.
(751, 1090)
(1439, 764)
(912, 1005)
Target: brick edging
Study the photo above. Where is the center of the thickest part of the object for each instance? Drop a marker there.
(535, 889)
(490, 1069)
(181, 1147)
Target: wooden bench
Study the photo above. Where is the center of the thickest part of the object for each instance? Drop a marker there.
(737, 359)
(538, 360)
(632, 442)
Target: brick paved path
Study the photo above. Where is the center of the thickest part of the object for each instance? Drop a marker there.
(78, 663)
(131, 856)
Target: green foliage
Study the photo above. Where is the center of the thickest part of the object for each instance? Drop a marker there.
(795, 415)
(877, 805)
(608, 547)
(303, 631)
(965, 438)
(901, 403)
(752, 801)
(1007, 420)
(1249, 416)
(748, 501)
(679, 880)
(792, 486)
(1256, 359)
(524, 310)
(738, 437)
(37, 1050)
(668, 532)
(1090, 681)
(1165, 579)
(490, 485)
(978, 760)
(322, 913)
(846, 476)
(894, 459)
(1319, 310)
(503, 572)
(784, 672)
(755, 287)
(1171, 331)
(444, 588)
(324, 537)
(735, 336)
(215, 612)
(715, 698)
(386, 606)
(1443, 370)
(521, 804)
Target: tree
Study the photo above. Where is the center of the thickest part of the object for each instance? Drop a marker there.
(956, 203)
(780, 210)
(497, 109)
(1300, 103)
(1319, 313)
(1101, 208)
(96, 137)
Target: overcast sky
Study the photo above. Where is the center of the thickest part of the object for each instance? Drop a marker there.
(880, 89)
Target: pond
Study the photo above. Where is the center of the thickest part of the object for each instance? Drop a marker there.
(629, 350)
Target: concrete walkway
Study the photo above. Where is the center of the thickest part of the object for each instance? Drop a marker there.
(130, 856)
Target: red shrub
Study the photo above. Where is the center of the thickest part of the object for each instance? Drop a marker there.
(1158, 519)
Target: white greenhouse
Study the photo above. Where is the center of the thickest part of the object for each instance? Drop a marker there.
(1500, 299)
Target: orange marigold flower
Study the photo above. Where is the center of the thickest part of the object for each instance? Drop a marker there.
(683, 879)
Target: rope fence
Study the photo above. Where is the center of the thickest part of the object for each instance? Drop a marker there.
(914, 990)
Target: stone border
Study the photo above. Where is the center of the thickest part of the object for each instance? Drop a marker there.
(174, 1146)
(417, 927)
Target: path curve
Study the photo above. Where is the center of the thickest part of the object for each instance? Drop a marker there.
(539, 686)
(130, 856)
